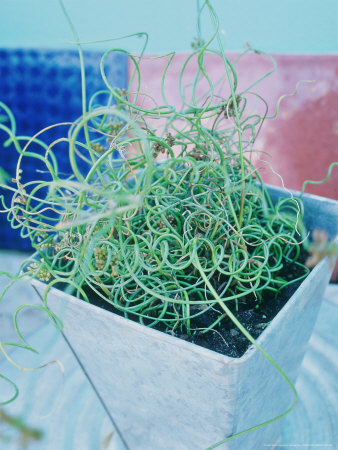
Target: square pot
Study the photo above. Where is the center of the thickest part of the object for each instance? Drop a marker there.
(165, 393)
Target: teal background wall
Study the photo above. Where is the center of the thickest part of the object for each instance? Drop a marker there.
(287, 26)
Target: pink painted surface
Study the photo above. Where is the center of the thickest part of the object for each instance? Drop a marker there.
(303, 140)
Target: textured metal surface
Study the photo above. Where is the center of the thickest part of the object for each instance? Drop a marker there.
(79, 422)
(58, 400)
(69, 414)
(314, 421)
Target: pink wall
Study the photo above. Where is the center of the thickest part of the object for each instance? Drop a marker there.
(303, 140)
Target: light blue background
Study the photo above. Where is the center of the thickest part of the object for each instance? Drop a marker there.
(280, 26)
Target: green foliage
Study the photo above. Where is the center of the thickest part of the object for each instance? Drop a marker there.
(180, 222)
(129, 230)
(4, 177)
(25, 433)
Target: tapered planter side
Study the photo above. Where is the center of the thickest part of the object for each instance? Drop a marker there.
(165, 393)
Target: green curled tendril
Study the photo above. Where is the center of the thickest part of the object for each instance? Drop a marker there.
(162, 215)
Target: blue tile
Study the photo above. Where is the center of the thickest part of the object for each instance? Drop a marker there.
(43, 87)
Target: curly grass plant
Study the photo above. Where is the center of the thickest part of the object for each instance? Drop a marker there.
(167, 220)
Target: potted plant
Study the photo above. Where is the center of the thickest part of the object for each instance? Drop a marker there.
(177, 277)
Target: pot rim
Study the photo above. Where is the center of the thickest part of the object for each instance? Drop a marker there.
(161, 336)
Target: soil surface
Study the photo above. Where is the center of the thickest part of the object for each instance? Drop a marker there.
(228, 340)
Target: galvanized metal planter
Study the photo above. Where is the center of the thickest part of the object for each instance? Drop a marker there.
(165, 393)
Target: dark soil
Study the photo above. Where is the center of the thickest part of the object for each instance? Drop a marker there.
(228, 340)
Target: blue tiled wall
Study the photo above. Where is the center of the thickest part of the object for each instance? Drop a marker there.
(43, 87)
